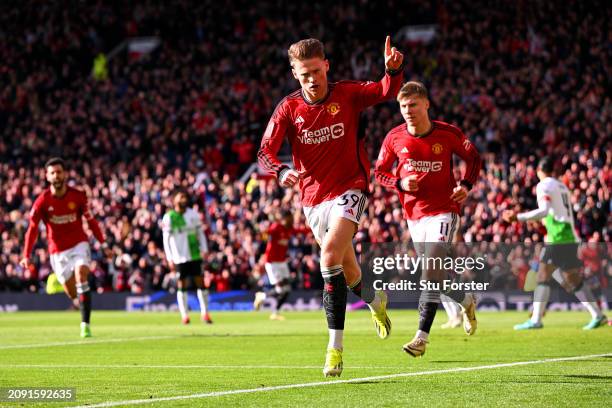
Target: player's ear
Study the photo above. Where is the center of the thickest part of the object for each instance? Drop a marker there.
(326, 65)
(294, 74)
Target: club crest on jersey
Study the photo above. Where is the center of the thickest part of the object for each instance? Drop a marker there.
(437, 148)
(71, 205)
(333, 108)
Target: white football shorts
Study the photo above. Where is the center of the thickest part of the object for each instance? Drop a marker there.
(277, 271)
(64, 263)
(349, 205)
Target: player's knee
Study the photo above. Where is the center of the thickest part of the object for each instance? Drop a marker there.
(81, 273)
(331, 255)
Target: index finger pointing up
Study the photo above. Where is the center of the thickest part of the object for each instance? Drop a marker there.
(388, 45)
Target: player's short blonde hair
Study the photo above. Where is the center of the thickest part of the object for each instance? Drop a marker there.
(413, 88)
(306, 49)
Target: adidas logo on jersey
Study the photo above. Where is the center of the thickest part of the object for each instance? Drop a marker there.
(299, 120)
(404, 150)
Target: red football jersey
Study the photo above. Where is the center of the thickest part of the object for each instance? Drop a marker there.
(430, 157)
(326, 150)
(63, 219)
(278, 241)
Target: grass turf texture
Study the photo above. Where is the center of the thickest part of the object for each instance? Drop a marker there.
(103, 371)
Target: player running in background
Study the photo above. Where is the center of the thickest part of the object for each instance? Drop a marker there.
(430, 195)
(332, 170)
(62, 208)
(453, 311)
(185, 246)
(279, 234)
(558, 258)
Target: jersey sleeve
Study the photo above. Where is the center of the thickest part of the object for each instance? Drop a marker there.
(384, 165)
(91, 221)
(165, 225)
(273, 231)
(272, 140)
(371, 93)
(32, 232)
(469, 154)
(201, 236)
(544, 202)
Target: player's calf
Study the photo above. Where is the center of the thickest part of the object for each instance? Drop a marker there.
(334, 303)
(84, 294)
(428, 306)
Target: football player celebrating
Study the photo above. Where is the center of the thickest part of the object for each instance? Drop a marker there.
(331, 168)
(430, 195)
(61, 208)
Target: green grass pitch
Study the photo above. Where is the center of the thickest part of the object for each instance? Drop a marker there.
(135, 356)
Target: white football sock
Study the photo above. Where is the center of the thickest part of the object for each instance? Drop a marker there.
(203, 299)
(540, 300)
(181, 299)
(452, 309)
(421, 334)
(586, 297)
(335, 339)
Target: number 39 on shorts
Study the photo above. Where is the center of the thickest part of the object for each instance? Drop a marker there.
(347, 198)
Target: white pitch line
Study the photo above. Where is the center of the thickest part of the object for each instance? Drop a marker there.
(84, 342)
(192, 366)
(352, 380)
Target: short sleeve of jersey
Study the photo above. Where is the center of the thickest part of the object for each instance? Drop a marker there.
(165, 223)
(543, 193)
(195, 218)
